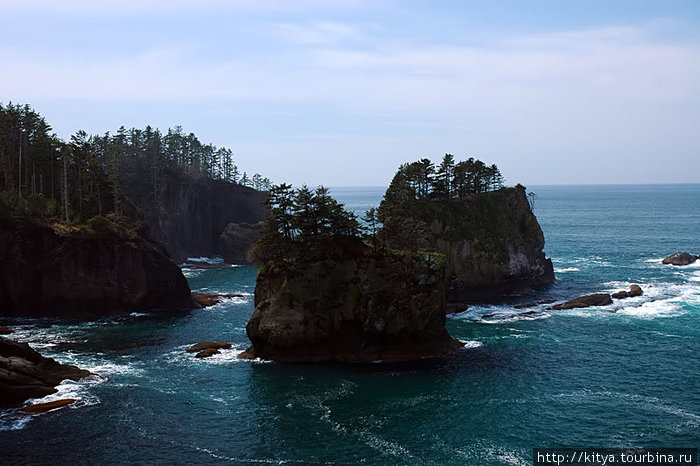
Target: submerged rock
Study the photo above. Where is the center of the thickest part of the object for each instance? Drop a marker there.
(6, 331)
(598, 299)
(211, 299)
(205, 353)
(208, 345)
(45, 274)
(528, 305)
(680, 258)
(24, 373)
(345, 301)
(43, 407)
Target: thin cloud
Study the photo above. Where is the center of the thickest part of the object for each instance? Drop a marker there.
(129, 7)
(317, 33)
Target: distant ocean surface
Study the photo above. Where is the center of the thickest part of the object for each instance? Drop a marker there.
(627, 375)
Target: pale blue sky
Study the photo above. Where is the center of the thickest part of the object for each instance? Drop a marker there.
(341, 92)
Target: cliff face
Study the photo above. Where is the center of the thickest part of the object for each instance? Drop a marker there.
(493, 243)
(347, 302)
(189, 216)
(235, 240)
(84, 275)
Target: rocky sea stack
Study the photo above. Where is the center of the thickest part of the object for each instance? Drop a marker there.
(493, 243)
(332, 290)
(346, 301)
(489, 234)
(90, 272)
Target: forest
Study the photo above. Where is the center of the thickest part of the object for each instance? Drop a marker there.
(42, 176)
(296, 218)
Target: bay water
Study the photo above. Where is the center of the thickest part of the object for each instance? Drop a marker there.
(626, 375)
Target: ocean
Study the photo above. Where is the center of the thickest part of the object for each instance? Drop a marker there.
(626, 375)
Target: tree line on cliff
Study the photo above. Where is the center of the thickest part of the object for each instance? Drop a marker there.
(299, 218)
(42, 176)
(400, 220)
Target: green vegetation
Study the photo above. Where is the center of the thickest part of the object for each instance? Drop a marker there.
(300, 218)
(418, 194)
(45, 179)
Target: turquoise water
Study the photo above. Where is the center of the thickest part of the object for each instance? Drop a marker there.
(623, 376)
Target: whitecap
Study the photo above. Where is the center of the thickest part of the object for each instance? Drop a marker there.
(471, 344)
(653, 309)
(225, 356)
(72, 389)
(507, 318)
(216, 260)
(566, 269)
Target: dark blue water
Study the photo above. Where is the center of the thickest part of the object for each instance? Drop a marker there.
(623, 376)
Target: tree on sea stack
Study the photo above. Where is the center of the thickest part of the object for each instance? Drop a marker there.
(323, 294)
(298, 218)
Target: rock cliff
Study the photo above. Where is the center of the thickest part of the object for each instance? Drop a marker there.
(235, 240)
(492, 241)
(342, 300)
(84, 274)
(189, 215)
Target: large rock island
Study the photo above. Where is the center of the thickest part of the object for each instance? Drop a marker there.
(489, 234)
(323, 294)
(346, 301)
(439, 239)
(493, 243)
(91, 271)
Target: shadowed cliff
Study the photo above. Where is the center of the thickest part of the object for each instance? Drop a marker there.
(84, 272)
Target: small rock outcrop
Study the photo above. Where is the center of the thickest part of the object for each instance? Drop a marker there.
(635, 290)
(680, 258)
(211, 299)
(37, 408)
(24, 373)
(345, 301)
(46, 274)
(205, 353)
(598, 299)
(205, 345)
(5, 331)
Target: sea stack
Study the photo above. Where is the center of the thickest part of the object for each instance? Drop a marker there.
(492, 241)
(347, 301)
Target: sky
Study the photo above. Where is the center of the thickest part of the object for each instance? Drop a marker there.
(341, 92)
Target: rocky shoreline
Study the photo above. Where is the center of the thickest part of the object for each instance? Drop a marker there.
(24, 373)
